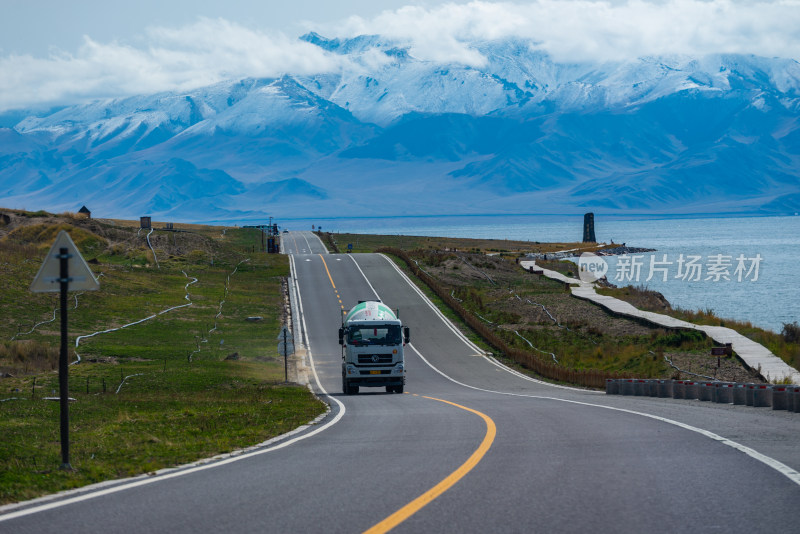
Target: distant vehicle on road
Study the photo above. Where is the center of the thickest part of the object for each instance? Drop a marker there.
(372, 339)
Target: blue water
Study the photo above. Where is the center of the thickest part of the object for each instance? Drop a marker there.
(769, 301)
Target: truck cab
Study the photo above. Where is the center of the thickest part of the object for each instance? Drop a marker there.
(372, 339)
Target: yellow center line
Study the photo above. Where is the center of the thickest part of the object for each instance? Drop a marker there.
(327, 271)
(423, 500)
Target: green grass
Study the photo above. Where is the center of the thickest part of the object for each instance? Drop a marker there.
(371, 243)
(161, 419)
(582, 342)
(187, 401)
(783, 345)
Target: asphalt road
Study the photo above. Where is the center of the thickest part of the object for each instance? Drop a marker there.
(486, 449)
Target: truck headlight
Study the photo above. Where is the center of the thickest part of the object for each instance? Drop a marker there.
(398, 369)
(351, 370)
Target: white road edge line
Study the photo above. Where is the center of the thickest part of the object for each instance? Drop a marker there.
(181, 471)
(365, 277)
(310, 250)
(780, 467)
(470, 344)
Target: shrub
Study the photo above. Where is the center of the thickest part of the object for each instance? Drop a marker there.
(791, 332)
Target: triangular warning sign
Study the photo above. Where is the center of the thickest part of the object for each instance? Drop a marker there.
(284, 332)
(80, 276)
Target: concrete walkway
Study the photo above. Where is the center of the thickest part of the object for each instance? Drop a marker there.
(753, 354)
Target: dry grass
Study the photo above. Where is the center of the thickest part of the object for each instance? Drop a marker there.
(13, 252)
(42, 236)
(27, 357)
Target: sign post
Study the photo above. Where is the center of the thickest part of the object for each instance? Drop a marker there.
(286, 346)
(54, 276)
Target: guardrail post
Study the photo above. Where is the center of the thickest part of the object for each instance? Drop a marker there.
(739, 394)
(794, 394)
(705, 391)
(612, 386)
(665, 388)
(626, 388)
(723, 393)
(762, 396)
(678, 389)
(779, 397)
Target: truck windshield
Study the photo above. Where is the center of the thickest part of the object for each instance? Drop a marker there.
(374, 335)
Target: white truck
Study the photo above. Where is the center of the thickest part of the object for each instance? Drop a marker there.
(372, 339)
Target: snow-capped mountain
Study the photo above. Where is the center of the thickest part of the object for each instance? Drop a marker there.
(391, 134)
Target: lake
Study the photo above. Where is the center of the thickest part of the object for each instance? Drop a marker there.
(742, 268)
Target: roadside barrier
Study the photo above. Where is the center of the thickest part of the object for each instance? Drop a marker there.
(705, 391)
(794, 394)
(627, 386)
(689, 389)
(776, 396)
(748, 398)
(740, 394)
(779, 397)
(762, 396)
(665, 388)
(723, 392)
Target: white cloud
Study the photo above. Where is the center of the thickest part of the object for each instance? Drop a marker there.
(589, 30)
(211, 50)
(200, 54)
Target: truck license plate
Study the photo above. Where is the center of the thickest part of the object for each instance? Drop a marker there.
(374, 372)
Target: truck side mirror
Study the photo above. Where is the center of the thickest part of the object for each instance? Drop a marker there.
(341, 336)
(406, 334)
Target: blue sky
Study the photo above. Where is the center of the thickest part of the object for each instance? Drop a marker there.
(60, 52)
(34, 26)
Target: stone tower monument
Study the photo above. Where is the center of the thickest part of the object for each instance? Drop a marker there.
(588, 228)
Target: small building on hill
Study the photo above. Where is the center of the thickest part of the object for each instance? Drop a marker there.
(85, 211)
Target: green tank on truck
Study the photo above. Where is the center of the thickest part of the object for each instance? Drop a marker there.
(372, 339)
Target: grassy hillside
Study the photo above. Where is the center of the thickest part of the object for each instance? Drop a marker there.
(188, 383)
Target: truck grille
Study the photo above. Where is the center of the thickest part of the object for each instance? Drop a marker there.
(374, 359)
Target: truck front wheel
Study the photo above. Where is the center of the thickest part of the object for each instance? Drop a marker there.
(347, 389)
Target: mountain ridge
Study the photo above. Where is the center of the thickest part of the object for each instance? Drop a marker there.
(672, 135)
